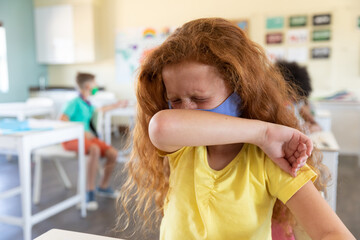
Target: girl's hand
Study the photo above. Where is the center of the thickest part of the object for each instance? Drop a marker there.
(287, 147)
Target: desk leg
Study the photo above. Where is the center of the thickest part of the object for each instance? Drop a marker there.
(82, 174)
(107, 126)
(25, 183)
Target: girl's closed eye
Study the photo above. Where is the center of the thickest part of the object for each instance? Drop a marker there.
(199, 99)
(174, 103)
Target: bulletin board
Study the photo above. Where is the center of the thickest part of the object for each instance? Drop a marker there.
(299, 38)
(132, 45)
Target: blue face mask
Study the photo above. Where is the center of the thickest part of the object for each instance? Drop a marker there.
(228, 107)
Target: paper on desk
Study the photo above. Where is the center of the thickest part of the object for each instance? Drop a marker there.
(10, 126)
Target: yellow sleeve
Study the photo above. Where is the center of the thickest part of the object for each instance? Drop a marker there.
(174, 156)
(281, 184)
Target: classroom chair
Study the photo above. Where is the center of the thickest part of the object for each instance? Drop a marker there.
(57, 154)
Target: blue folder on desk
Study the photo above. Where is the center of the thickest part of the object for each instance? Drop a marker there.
(9, 126)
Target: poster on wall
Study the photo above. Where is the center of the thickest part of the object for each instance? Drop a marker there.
(358, 22)
(275, 54)
(297, 36)
(320, 52)
(298, 54)
(321, 35)
(243, 24)
(321, 19)
(132, 45)
(298, 21)
(274, 38)
(274, 22)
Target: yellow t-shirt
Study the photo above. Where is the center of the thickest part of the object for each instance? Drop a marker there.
(233, 203)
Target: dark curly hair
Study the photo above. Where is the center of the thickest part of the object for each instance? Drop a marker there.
(296, 75)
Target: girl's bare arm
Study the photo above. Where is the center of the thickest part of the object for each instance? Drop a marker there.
(170, 130)
(315, 215)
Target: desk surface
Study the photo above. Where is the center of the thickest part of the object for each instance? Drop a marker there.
(57, 234)
(21, 106)
(22, 110)
(46, 132)
(325, 141)
(40, 125)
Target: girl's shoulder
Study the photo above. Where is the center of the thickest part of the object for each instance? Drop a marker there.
(180, 154)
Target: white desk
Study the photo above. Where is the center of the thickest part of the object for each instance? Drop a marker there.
(23, 143)
(121, 112)
(326, 142)
(22, 110)
(345, 119)
(57, 234)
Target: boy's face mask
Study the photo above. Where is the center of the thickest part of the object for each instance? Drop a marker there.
(94, 90)
(228, 107)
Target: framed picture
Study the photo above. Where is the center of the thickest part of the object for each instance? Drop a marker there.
(322, 19)
(298, 21)
(320, 52)
(321, 35)
(274, 22)
(274, 38)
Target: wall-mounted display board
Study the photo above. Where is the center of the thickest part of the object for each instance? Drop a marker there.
(297, 36)
(321, 35)
(320, 52)
(293, 38)
(298, 21)
(274, 22)
(358, 22)
(322, 19)
(274, 38)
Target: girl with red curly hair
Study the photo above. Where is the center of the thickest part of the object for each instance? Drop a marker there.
(215, 149)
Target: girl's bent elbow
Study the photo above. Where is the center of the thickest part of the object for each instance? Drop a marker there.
(158, 128)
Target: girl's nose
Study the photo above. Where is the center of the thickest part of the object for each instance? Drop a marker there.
(188, 104)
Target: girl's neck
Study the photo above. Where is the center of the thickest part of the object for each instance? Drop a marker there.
(225, 149)
(220, 156)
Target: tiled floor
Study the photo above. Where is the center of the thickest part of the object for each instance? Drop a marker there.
(102, 221)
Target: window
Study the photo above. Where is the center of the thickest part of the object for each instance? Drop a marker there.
(4, 77)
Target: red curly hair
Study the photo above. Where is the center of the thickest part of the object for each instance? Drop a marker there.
(245, 68)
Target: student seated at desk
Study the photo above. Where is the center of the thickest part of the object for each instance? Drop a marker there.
(298, 77)
(80, 110)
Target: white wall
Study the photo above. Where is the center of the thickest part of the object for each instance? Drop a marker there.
(341, 71)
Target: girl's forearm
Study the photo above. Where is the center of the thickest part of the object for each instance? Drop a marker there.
(170, 130)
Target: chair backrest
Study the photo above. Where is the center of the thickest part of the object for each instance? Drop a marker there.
(40, 101)
(103, 98)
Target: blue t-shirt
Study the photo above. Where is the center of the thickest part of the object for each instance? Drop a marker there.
(77, 110)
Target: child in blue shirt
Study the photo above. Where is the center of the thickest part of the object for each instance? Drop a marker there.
(80, 110)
